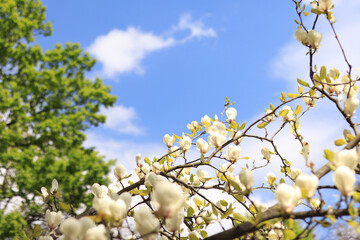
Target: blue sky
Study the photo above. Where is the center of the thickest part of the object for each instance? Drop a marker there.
(170, 63)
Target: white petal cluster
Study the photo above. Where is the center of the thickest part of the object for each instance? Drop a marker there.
(185, 143)
(344, 179)
(202, 175)
(311, 38)
(350, 106)
(84, 228)
(233, 153)
(53, 219)
(216, 139)
(266, 153)
(169, 140)
(119, 171)
(54, 186)
(44, 192)
(246, 178)
(307, 184)
(206, 122)
(289, 115)
(99, 190)
(169, 197)
(324, 5)
(270, 178)
(310, 100)
(287, 197)
(202, 146)
(146, 223)
(295, 172)
(346, 157)
(231, 114)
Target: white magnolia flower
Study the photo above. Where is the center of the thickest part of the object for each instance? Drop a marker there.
(247, 178)
(350, 106)
(269, 117)
(102, 205)
(173, 224)
(152, 179)
(314, 38)
(146, 223)
(53, 219)
(54, 186)
(227, 167)
(71, 228)
(289, 115)
(344, 179)
(287, 197)
(169, 140)
(185, 143)
(138, 160)
(270, 178)
(169, 197)
(266, 153)
(206, 122)
(324, 5)
(202, 146)
(295, 172)
(305, 150)
(218, 127)
(118, 209)
(334, 73)
(96, 233)
(307, 183)
(44, 192)
(236, 135)
(233, 153)
(119, 171)
(216, 139)
(301, 36)
(315, 203)
(194, 126)
(156, 167)
(99, 190)
(176, 152)
(86, 223)
(202, 175)
(126, 197)
(308, 100)
(231, 114)
(347, 158)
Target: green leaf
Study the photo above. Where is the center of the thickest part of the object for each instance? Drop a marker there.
(283, 113)
(298, 110)
(303, 83)
(322, 72)
(233, 125)
(306, 13)
(203, 234)
(283, 96)
(340, 142)
(272, 107)
(262, 125)
(329, 155)
(325, 223)
(356, 196)
(65, 207)
(37, 231)
(289, 234)
(190, 212)
(292, 95)
(242, 126)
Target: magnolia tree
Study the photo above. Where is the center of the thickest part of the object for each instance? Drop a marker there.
(170, 197)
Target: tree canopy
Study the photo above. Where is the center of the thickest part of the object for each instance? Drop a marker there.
(46, 103)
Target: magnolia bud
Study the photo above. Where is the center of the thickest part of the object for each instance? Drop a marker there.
(71, 228)
(346, 157)
(266, 153)
(270, 178)
(350, 106)
(233, 153)
(54, 186)
(169, 141)
(301, 35)
(308, 184)
(185, 143)
(202, 146)
(314, 39)
(146, 223)
(138, 159)
(53, 219)
(324, 5)
(287, 197)
(344, 179)
(231, 113)
(119, 171)
(247, 178)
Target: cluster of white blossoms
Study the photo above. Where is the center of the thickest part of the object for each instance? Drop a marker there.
(309, 38)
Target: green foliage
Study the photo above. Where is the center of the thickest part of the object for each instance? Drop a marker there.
(12, 224)
(46, 103)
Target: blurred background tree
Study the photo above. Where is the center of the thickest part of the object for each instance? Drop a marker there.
(46, 104)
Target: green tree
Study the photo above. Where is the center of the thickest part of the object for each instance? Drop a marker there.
(46, 103)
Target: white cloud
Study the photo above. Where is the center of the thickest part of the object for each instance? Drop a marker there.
(122, 51)
(121, 119)
(292, 63)
(197, 28)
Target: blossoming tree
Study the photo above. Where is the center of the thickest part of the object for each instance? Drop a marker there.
(170, 200)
